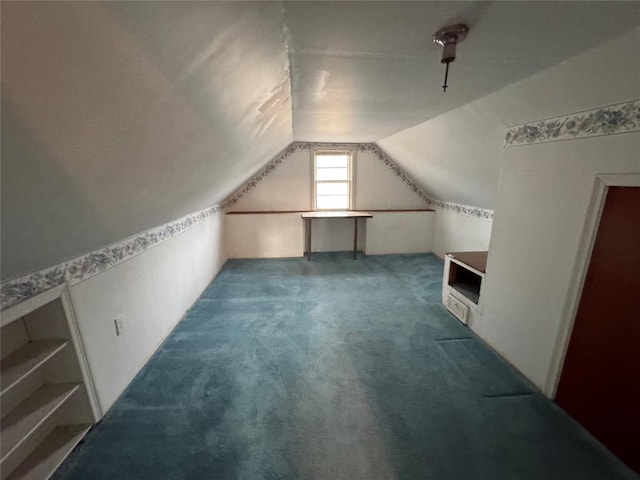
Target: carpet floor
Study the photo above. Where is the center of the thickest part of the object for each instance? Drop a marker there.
(333, 369)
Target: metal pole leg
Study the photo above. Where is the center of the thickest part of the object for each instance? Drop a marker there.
(355, 238)
(308, 222)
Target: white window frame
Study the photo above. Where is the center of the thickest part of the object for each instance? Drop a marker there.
(352, 171)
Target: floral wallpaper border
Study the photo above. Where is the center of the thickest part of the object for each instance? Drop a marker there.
(360, 147)
(467, 210)
(86, 266)
(613, 119)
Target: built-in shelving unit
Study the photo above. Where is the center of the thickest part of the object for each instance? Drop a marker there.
(24, 361)
(462, 283)
(47, 400)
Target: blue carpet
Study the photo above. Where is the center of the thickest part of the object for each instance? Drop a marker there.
(332, 369)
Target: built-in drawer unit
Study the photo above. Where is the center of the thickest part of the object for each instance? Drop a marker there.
(462, 284)
(458, 308)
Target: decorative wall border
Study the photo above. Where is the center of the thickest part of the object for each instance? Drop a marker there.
(467, 210)
(360, 147)
(91, 264)
(263, 173)
(88, 265)
(623, 117)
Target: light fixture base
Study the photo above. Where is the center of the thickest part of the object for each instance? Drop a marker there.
(448, 38)
(451, 34)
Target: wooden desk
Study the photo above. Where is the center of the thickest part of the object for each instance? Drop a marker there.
(308, 216)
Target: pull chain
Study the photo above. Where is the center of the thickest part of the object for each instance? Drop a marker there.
(448, 38)
(446, 75)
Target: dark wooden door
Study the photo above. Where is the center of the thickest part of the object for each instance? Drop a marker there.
(600, 381)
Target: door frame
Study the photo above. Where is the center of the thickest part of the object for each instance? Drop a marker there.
(599, 190)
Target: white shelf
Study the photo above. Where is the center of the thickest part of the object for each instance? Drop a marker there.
(48, 456)
(30, 414)
(46, 395)
(25, 360)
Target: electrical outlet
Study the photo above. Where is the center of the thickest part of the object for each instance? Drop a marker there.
(118, 322)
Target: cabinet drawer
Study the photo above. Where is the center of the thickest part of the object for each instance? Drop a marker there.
(458, 308)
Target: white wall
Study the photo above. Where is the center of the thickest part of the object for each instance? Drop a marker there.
(400, 232)
(543, 196)
(264, 236)
(289, 187)
(457, 156)
(454, 232)
(378, 188)
(541, 202)
(152, 292)
(286, 188)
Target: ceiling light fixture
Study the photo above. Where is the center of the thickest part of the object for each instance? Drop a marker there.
(448, 38)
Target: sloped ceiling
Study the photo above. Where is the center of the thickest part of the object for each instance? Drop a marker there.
(458, 156)
(120, 116)
(362, 71)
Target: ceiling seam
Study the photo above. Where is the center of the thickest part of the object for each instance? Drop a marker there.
(288, 50)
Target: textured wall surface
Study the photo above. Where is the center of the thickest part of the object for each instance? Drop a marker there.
(288, 187)
(541, 205)
(151, 293)
(457, 156)
(118, 117)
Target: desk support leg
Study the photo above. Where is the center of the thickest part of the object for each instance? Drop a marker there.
(308, 242)
(355, 238)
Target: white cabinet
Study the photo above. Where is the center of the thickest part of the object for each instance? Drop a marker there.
(47, 402)
(462, 284)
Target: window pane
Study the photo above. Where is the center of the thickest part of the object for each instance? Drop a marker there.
(339, 160)
(329, 202)
(332, 188)
(332, 174)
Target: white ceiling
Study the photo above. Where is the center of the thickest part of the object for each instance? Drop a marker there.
(362, 71)
(120, 116)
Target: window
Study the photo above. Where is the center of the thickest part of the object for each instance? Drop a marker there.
(333, 180)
